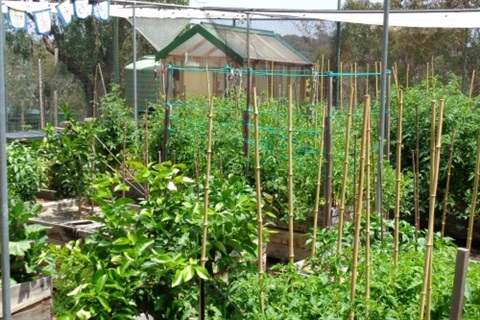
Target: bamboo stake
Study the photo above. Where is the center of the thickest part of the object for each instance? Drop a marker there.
(398, 180)
(426, 267)
(318, 191)
(259, 200)
(474, 199)
(471, 84)
(395, 79)
(430, 254)
(447, 187)
(204, 259)
(345, 175)
(425, 295)
(437, 170)
(291, 254)
(358, 213)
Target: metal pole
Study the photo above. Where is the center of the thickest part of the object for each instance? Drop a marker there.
(328, 154)
(461, 267)
(246, 115)
(134, 25)
(338, 81)
(5, 256)
(464, 64)
(116, 64)
(383, 89)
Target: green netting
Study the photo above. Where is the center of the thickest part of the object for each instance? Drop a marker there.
(293, 73)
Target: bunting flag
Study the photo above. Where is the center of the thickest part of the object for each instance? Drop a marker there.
(16, 19)
(101, 10)
(81, 9)
(64, 12)
(43, 21)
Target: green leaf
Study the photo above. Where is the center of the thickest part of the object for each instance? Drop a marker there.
(220, 246)
(188, 273)
(34, 229)
(121, 241)
(104, 303)
(142, 246)
(201, 272)
(83, 315)
(101, 283)
(18, 248)
(177, 279)
(117, 259)
(77, 289)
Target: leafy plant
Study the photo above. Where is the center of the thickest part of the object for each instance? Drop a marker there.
(70, 157)
(26, 172)
(461, 114)
(145, 259)
(28, 244)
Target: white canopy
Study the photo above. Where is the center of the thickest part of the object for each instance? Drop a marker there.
(468, 18)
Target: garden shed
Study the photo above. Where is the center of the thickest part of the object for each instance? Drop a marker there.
(148, 81)
(225, 50)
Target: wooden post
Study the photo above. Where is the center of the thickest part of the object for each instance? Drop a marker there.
(461, 267)
(328, 153)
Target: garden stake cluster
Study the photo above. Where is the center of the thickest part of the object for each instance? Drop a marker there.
(436, 136)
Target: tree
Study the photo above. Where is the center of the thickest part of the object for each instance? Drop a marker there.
(412, 47)
(85, 44)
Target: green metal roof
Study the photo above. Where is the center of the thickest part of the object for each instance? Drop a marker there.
(209, 40)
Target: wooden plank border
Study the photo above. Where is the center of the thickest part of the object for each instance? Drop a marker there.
(26, 294)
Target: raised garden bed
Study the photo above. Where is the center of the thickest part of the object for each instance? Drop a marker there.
(31, 300)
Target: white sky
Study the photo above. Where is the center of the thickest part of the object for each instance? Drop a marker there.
(270, 4)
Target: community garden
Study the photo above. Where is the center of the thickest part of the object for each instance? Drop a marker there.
(192, 244)
(188, 195)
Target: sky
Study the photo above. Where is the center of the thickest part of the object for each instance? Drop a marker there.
(270, 4)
